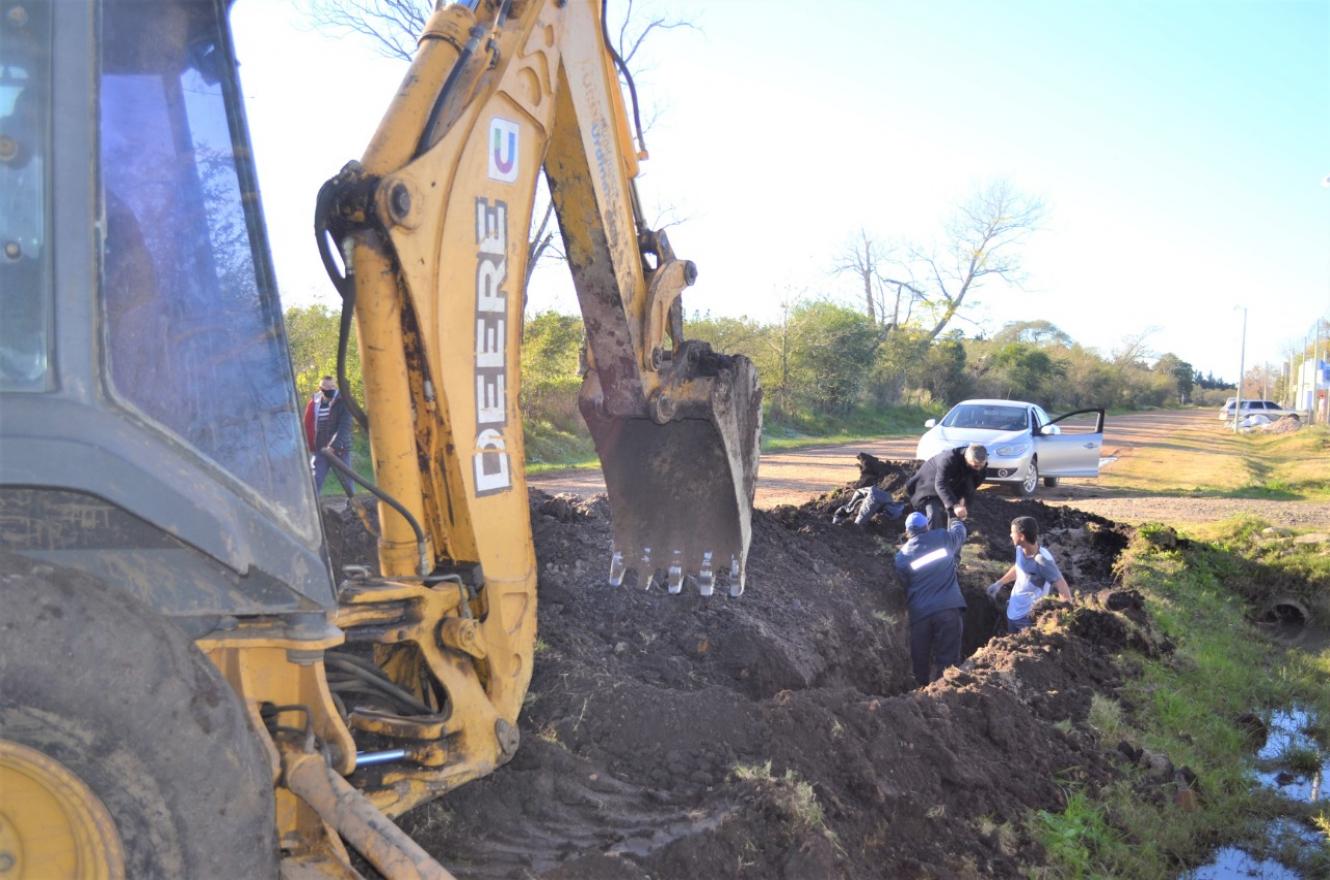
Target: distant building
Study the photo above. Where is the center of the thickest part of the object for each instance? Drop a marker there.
(1310, 384)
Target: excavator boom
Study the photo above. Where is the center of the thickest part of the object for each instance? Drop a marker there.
(494, 94)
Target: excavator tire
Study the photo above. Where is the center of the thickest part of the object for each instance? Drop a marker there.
(118, 698)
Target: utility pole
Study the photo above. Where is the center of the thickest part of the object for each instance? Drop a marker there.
(1316, 374)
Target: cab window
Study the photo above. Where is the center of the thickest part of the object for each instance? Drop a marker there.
(192, 322)
(25, 144)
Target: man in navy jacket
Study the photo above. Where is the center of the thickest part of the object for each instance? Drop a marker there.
(926, 566)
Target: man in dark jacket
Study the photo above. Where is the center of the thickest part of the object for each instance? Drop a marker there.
(926, 567)
(945, 484)
(328, 429)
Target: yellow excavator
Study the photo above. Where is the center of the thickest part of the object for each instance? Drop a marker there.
(186, 688)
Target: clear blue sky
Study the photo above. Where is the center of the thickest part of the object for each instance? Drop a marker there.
(1179, 148)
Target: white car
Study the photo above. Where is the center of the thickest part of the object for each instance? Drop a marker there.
(1023, 442)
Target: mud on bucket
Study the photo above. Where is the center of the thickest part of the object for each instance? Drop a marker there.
(681, 491)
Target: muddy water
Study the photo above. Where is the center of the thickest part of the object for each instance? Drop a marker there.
(1231, 863)
(1288, 735)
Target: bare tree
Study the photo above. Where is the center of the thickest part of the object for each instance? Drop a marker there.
(864, 258)
(393, 26)
(983, 240)
(631, 37)
(1134, 348)
(861, 258)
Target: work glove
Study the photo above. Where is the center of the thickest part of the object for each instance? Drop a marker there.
(993, 589)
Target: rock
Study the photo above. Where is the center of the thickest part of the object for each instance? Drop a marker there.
(1129, 751)
(1313, 538)
(1157, 765)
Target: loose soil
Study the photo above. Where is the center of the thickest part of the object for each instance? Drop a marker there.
(778, 735)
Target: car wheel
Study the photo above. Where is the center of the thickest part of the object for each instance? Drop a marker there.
(1029, 482)
(1050, 482)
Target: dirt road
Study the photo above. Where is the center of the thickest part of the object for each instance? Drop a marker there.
(792, 477)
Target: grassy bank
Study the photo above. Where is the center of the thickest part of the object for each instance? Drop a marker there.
(549, 448)
(792, 431)
(1200, 594)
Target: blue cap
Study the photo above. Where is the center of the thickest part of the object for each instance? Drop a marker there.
(916, 522)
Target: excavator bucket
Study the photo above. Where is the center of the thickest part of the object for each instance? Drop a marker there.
(681, 482)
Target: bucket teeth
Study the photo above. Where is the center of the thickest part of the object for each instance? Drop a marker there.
(674, 574)
(706, 579)
(675, 578)
(736, 577)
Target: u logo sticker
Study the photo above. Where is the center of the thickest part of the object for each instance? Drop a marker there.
(503, 150)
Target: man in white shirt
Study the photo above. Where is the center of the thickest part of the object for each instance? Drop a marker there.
(1034, 572)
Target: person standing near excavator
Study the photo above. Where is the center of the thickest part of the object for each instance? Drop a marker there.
(328, 430)
(926, 568)
(945, 485)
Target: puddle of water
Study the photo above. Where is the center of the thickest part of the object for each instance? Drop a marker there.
(1231, 863)
(1282, 832)
(1288, 732)
(1288, 729)
(1235, 863)
(1296, 786)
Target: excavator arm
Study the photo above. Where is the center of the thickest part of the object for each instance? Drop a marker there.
(432, 226)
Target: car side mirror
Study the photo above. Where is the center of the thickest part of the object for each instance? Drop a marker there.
(930, 423)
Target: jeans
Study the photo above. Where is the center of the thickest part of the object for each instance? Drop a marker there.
(936, 638)
(321, 467)
(936, 512)
(1016, 624)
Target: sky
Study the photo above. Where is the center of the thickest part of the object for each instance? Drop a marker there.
(1180, 150)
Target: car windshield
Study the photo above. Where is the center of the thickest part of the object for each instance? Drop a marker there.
(990, 417)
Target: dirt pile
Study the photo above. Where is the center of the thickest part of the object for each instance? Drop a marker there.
(776, 735)
(1283, 425)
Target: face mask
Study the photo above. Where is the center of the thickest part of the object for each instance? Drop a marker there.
(329, 392)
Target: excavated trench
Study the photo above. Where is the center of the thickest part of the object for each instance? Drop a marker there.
(777, 735)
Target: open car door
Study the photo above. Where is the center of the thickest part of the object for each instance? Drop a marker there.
(1069, 445)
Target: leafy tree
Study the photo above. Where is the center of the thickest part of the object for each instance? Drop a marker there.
(830, 355)
(943, 375)
(898, 366)
(1025, 371)
(551, 370)
(1180, 372)
(311, 332)
(1043, 333)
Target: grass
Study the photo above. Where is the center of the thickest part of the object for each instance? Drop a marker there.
(549, 449)
(1073, 836)
(794, 432)
(797, 795)
(1204, 459)
(1185, 706)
